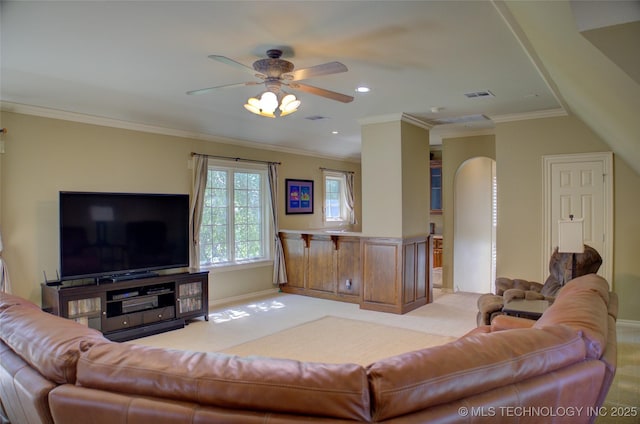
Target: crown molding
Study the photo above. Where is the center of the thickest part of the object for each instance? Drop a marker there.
(416, 121)
(439, 134)
(63, 115)
(549, 113)
(395, 117)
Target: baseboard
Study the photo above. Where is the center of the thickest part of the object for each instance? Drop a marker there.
(242, 297)
(445, 290)
(627, 323)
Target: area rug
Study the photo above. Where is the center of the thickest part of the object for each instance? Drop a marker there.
(338, 340)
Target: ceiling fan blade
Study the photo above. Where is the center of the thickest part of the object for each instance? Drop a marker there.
(210, 89)
(322, 92)
(316, 71)
(231, 62)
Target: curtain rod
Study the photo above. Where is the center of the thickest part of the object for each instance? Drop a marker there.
(336, 170)
(236, 159)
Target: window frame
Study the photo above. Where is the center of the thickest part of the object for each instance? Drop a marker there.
(265, 215)
(344, 210)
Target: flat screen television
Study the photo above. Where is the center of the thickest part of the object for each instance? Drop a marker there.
(120, 235)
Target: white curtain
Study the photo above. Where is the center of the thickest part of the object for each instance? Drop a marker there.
(279, 269)
(200, 170)
(350, 197)
(5, 284)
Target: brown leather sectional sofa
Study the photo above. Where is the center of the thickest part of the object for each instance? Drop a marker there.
(556, 369)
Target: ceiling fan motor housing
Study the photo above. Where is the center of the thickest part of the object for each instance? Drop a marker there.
(273, 67)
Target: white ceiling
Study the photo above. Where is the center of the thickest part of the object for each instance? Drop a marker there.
(134, 61)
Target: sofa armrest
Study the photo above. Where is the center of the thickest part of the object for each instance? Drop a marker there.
(506, 322)
(512, 294)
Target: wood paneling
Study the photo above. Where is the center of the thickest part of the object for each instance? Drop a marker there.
(422, 271)
(295, 259)
(349, 266)
(380, 272)
(385, 274)
(409, 280)
(322, 265)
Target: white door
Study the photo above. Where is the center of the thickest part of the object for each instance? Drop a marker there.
(580, 185)
(474, 226)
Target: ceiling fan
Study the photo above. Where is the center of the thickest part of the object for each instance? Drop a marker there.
(276, 73)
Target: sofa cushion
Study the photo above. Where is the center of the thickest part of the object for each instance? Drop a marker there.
(474, 364)
(262, 384)
(48, 343)
(582, 304)
(7, 300)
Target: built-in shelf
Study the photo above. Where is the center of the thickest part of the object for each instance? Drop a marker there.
(378, 273)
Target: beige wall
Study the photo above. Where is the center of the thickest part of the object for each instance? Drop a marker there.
(415, 180)
(395, 175)
(519, 150)
(308, 168)
(44, 156)
(381, 179)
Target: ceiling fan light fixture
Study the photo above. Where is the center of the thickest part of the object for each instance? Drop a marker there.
(265, 106)
(253, 106)
(287, 99)
(266, 103)
(253, 102)
(289, 104)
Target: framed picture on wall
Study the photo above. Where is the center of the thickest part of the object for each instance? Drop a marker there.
(298, 196)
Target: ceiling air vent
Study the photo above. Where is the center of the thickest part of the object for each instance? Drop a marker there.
(315, 117)
(479, 94)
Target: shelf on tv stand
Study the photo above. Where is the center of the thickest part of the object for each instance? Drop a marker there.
(145, 330)
(130, 309)
(126, 277)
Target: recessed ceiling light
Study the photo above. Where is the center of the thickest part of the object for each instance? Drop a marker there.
(363, 89)
(334, 132)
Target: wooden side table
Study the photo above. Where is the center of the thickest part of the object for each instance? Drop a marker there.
(531, 309)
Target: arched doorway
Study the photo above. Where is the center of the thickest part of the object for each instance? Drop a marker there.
(475, 222)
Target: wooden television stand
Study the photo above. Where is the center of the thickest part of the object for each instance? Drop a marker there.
(126, 310)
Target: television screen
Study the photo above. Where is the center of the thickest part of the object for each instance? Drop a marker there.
(109, 234)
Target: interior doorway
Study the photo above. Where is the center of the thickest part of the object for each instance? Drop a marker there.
(475, 220)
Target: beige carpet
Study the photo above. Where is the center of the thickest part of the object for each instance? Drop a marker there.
(338, 340)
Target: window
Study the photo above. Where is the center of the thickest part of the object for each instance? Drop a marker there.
(335, 206)
(235, 224)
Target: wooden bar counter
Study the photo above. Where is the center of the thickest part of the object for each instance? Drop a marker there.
(378, 273)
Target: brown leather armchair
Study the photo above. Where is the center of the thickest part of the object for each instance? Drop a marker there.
(560, 265)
